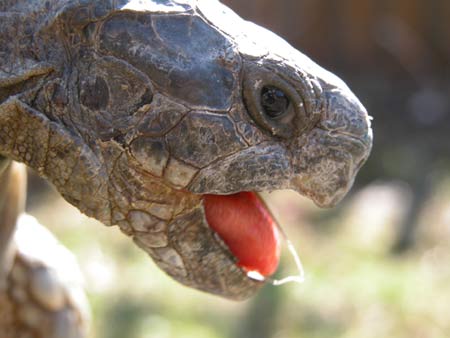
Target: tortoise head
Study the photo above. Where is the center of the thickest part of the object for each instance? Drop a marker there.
(165, 105)
(304, 128)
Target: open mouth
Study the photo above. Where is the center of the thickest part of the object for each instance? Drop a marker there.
(247, 227)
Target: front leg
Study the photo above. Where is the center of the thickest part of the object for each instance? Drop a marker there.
(40, 290)
(43, 297)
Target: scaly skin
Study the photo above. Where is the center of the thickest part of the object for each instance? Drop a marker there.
(134, 110)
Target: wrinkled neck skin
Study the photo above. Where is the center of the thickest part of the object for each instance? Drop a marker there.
(135, 111)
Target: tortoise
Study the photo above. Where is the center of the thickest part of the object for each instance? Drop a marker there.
(166, 118)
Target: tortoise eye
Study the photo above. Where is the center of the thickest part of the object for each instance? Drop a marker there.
(274, 102)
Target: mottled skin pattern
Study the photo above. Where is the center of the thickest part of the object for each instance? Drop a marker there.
(134, 109)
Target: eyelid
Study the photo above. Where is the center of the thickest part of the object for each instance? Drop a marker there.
(287, 125)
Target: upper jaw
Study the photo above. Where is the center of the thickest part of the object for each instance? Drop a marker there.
(330, 171)
(326, 165)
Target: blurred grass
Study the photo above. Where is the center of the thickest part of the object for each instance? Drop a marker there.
(355, 286)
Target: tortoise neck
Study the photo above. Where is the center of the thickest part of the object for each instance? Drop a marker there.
(12, 201)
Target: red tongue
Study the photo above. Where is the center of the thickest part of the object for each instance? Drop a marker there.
(248, 229)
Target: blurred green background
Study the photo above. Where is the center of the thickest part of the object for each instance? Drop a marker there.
(378, 265)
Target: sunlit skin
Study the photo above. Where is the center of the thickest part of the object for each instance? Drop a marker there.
(137, 110)
(248, 229)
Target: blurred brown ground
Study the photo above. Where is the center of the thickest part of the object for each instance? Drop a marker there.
(393, 36)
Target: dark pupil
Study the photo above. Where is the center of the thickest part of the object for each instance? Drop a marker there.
(274, 101)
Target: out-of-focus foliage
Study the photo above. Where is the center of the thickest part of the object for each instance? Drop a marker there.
(395, 55)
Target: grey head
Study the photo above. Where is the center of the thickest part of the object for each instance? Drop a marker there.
(136, 110)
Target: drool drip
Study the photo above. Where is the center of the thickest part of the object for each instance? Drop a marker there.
(300, 278)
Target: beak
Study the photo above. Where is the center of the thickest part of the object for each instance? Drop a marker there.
(335, 150)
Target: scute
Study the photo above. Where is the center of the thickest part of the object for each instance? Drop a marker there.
(184, 56)
(206, 137)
